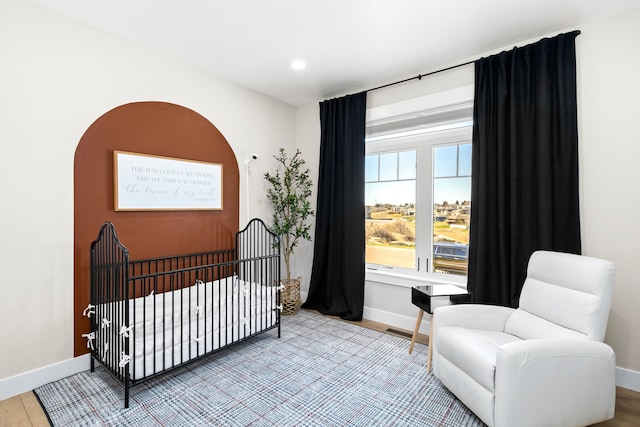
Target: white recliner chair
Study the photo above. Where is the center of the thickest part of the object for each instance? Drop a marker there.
(543, 364)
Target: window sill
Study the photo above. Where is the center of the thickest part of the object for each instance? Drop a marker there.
(395, 278)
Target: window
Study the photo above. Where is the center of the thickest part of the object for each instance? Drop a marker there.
(390, 198)
(451, 207)
(417, 196)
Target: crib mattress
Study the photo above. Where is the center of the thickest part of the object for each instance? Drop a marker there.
(172, 328)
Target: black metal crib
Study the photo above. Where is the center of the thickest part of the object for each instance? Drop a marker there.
(153, 315)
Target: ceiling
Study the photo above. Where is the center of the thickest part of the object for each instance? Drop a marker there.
(347, 44)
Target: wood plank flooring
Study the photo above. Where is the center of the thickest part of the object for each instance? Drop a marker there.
(22, 411)
(25, 410)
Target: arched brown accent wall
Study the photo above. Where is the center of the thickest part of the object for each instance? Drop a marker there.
(149, 128)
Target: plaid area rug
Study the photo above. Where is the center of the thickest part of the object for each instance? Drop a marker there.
(322, 372)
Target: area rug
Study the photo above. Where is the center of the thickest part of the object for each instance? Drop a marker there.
(321, 372)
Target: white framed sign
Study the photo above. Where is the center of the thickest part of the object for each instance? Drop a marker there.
(144, 182)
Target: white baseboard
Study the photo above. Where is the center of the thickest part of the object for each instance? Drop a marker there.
(625, 378)
(28, 381)
(397, 320)
(389, 318)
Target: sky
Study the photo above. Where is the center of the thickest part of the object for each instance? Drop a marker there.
(391, 176)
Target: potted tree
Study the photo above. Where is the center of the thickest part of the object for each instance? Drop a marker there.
(289, 192)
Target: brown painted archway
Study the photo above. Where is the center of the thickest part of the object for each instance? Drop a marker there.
(155, 128)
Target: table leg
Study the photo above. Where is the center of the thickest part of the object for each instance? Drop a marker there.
(415, 331)
(430, 351)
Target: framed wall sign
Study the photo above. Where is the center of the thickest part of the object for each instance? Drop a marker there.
(144, 182)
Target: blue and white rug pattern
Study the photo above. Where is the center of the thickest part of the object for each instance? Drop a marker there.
(322, 372)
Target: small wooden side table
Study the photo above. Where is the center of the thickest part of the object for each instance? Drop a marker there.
(430, 297)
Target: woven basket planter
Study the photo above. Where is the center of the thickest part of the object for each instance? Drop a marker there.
(291, 296)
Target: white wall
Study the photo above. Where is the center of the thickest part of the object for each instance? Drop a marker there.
(308, 142)
(609, 66)
(56, 78)
(609, 145)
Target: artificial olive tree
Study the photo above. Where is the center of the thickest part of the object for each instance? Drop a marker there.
(289, 193)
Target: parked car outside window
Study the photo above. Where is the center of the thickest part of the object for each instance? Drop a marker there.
(450, 257)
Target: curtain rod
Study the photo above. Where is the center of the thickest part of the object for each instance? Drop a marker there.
(420, 76)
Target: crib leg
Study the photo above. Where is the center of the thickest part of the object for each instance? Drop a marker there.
(279, 323)
(93, 363)
(126, 391)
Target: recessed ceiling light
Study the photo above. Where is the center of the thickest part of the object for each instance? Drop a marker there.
(298, 64)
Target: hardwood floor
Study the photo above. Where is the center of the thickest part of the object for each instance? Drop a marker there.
(25, 410)
(627, 409)
(22, 411)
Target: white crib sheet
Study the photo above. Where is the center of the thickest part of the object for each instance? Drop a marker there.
(173, 327)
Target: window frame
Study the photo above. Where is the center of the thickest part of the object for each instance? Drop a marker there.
(424, 145)
(431, 133)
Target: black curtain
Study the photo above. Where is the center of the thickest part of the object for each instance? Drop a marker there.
(524, 189)
(337, 276)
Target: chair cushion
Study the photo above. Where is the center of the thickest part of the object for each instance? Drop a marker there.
(527, 326)
(473, 351)
(572, 291)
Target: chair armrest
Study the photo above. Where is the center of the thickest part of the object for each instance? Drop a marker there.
(471, 316)
(468, 316)
(554, 382)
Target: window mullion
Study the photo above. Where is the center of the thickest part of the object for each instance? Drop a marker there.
(424, 209)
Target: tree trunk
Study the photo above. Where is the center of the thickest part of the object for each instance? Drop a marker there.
(287, 258)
